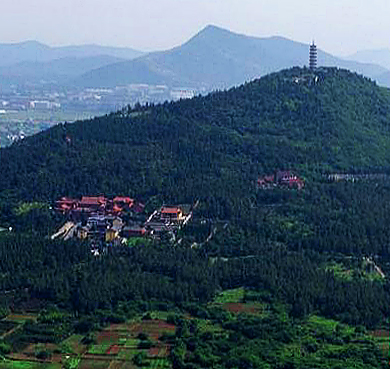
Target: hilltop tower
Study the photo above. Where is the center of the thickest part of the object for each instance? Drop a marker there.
(313, 56)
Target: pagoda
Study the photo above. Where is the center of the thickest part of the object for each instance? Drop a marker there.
(313, 56)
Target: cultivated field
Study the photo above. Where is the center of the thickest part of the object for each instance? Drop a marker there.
(118, 346)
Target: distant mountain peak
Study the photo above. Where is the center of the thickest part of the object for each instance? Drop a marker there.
(27, 43)
(212, 30)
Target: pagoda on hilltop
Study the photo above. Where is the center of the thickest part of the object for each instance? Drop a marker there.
(313, 56)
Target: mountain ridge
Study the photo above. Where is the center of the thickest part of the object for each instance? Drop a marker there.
(34, 51)
(216, 58)
(58, 70)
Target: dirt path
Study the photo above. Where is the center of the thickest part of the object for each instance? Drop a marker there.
(376, 267)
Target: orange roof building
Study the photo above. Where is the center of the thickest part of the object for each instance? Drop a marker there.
(171, 213)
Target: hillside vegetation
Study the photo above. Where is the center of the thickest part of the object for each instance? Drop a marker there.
(307, 271)
(211, 146)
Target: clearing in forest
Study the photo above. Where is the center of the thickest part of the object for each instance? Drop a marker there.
(235, 302)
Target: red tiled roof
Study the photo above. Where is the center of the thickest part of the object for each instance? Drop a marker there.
(85, 200)
(169, 210)
(65, 200)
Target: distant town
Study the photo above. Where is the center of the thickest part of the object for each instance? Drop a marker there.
(30, 109)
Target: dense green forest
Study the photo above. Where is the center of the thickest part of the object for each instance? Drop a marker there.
(321, 251)
(213, 146)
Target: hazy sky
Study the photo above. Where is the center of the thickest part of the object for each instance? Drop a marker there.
(338, 26)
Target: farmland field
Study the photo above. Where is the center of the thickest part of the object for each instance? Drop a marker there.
(73, 345)
(382, 338)
(234, 302)
(252, 308)
(114, 347)
(117, 345)
(230, 296)
(9, 364)
(159, 364)
(94, 364)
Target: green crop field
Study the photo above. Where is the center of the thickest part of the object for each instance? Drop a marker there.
(127, 354)
(235, 295)
(100, 349)
(159, 364)
(73, 345)
(9, 364)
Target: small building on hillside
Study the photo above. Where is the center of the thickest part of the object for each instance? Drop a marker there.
(133, 231)
(82, 233)
(92, 204)
(112, 234)
(65, 204)
(289, 179)
(171, 214)
(266, 181)
(156, 228)
(123, 201)
(281, 179)
(120, 204)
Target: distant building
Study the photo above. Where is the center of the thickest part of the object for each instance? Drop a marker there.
(281, 179)
(171, 213)
(313, 56)
(112, 234)
(121, 203)
(65, 204)
(133, 231)
(92, 203)
(44, 105)
(183, 93)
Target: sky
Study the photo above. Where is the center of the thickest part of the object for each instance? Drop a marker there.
(340, 27)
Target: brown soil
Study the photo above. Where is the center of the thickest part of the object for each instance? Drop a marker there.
(154, 351)
(153, 328)
(20, 317)
(107, 336)
(94, 364)
(242, 308)
(113, 350)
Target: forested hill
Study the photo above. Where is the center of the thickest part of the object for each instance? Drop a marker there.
(213, 146)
